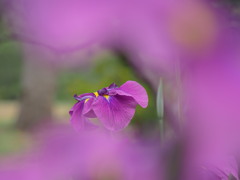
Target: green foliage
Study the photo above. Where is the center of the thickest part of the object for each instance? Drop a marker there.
(13, 141)
(10, 70)
(102, 73)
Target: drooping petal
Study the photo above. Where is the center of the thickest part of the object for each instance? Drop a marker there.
(78, 120)
(116, 112)
(75, 106)
(87, 109)
(134, 90)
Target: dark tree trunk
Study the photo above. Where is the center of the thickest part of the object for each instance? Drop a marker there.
(38, 87)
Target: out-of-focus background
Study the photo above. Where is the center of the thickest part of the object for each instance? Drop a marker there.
(105, 68)
(56, 82)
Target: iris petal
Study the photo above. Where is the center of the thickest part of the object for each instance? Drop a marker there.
(116, 112)
(78, 120)
(83, 96)
(113, 86)
(134, 90)
(87, 109)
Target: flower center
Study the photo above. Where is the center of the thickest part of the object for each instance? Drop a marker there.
(102, 92)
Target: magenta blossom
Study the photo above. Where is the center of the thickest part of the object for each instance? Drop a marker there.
(114, 106)
(62, 154)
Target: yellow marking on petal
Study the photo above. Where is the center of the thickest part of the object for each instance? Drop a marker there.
(106, 96)
(96, 94)
(86, 100)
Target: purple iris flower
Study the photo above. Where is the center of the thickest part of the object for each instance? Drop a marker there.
(114, 106)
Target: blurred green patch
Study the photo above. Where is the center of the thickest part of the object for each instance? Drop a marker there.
(12, 141)
(10, 70)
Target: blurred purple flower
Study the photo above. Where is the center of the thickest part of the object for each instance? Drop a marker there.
(160, 33)
(87, 155)
(114, 106)
(212, 167)
(62, 25)
(221, 170)
(211, 94)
